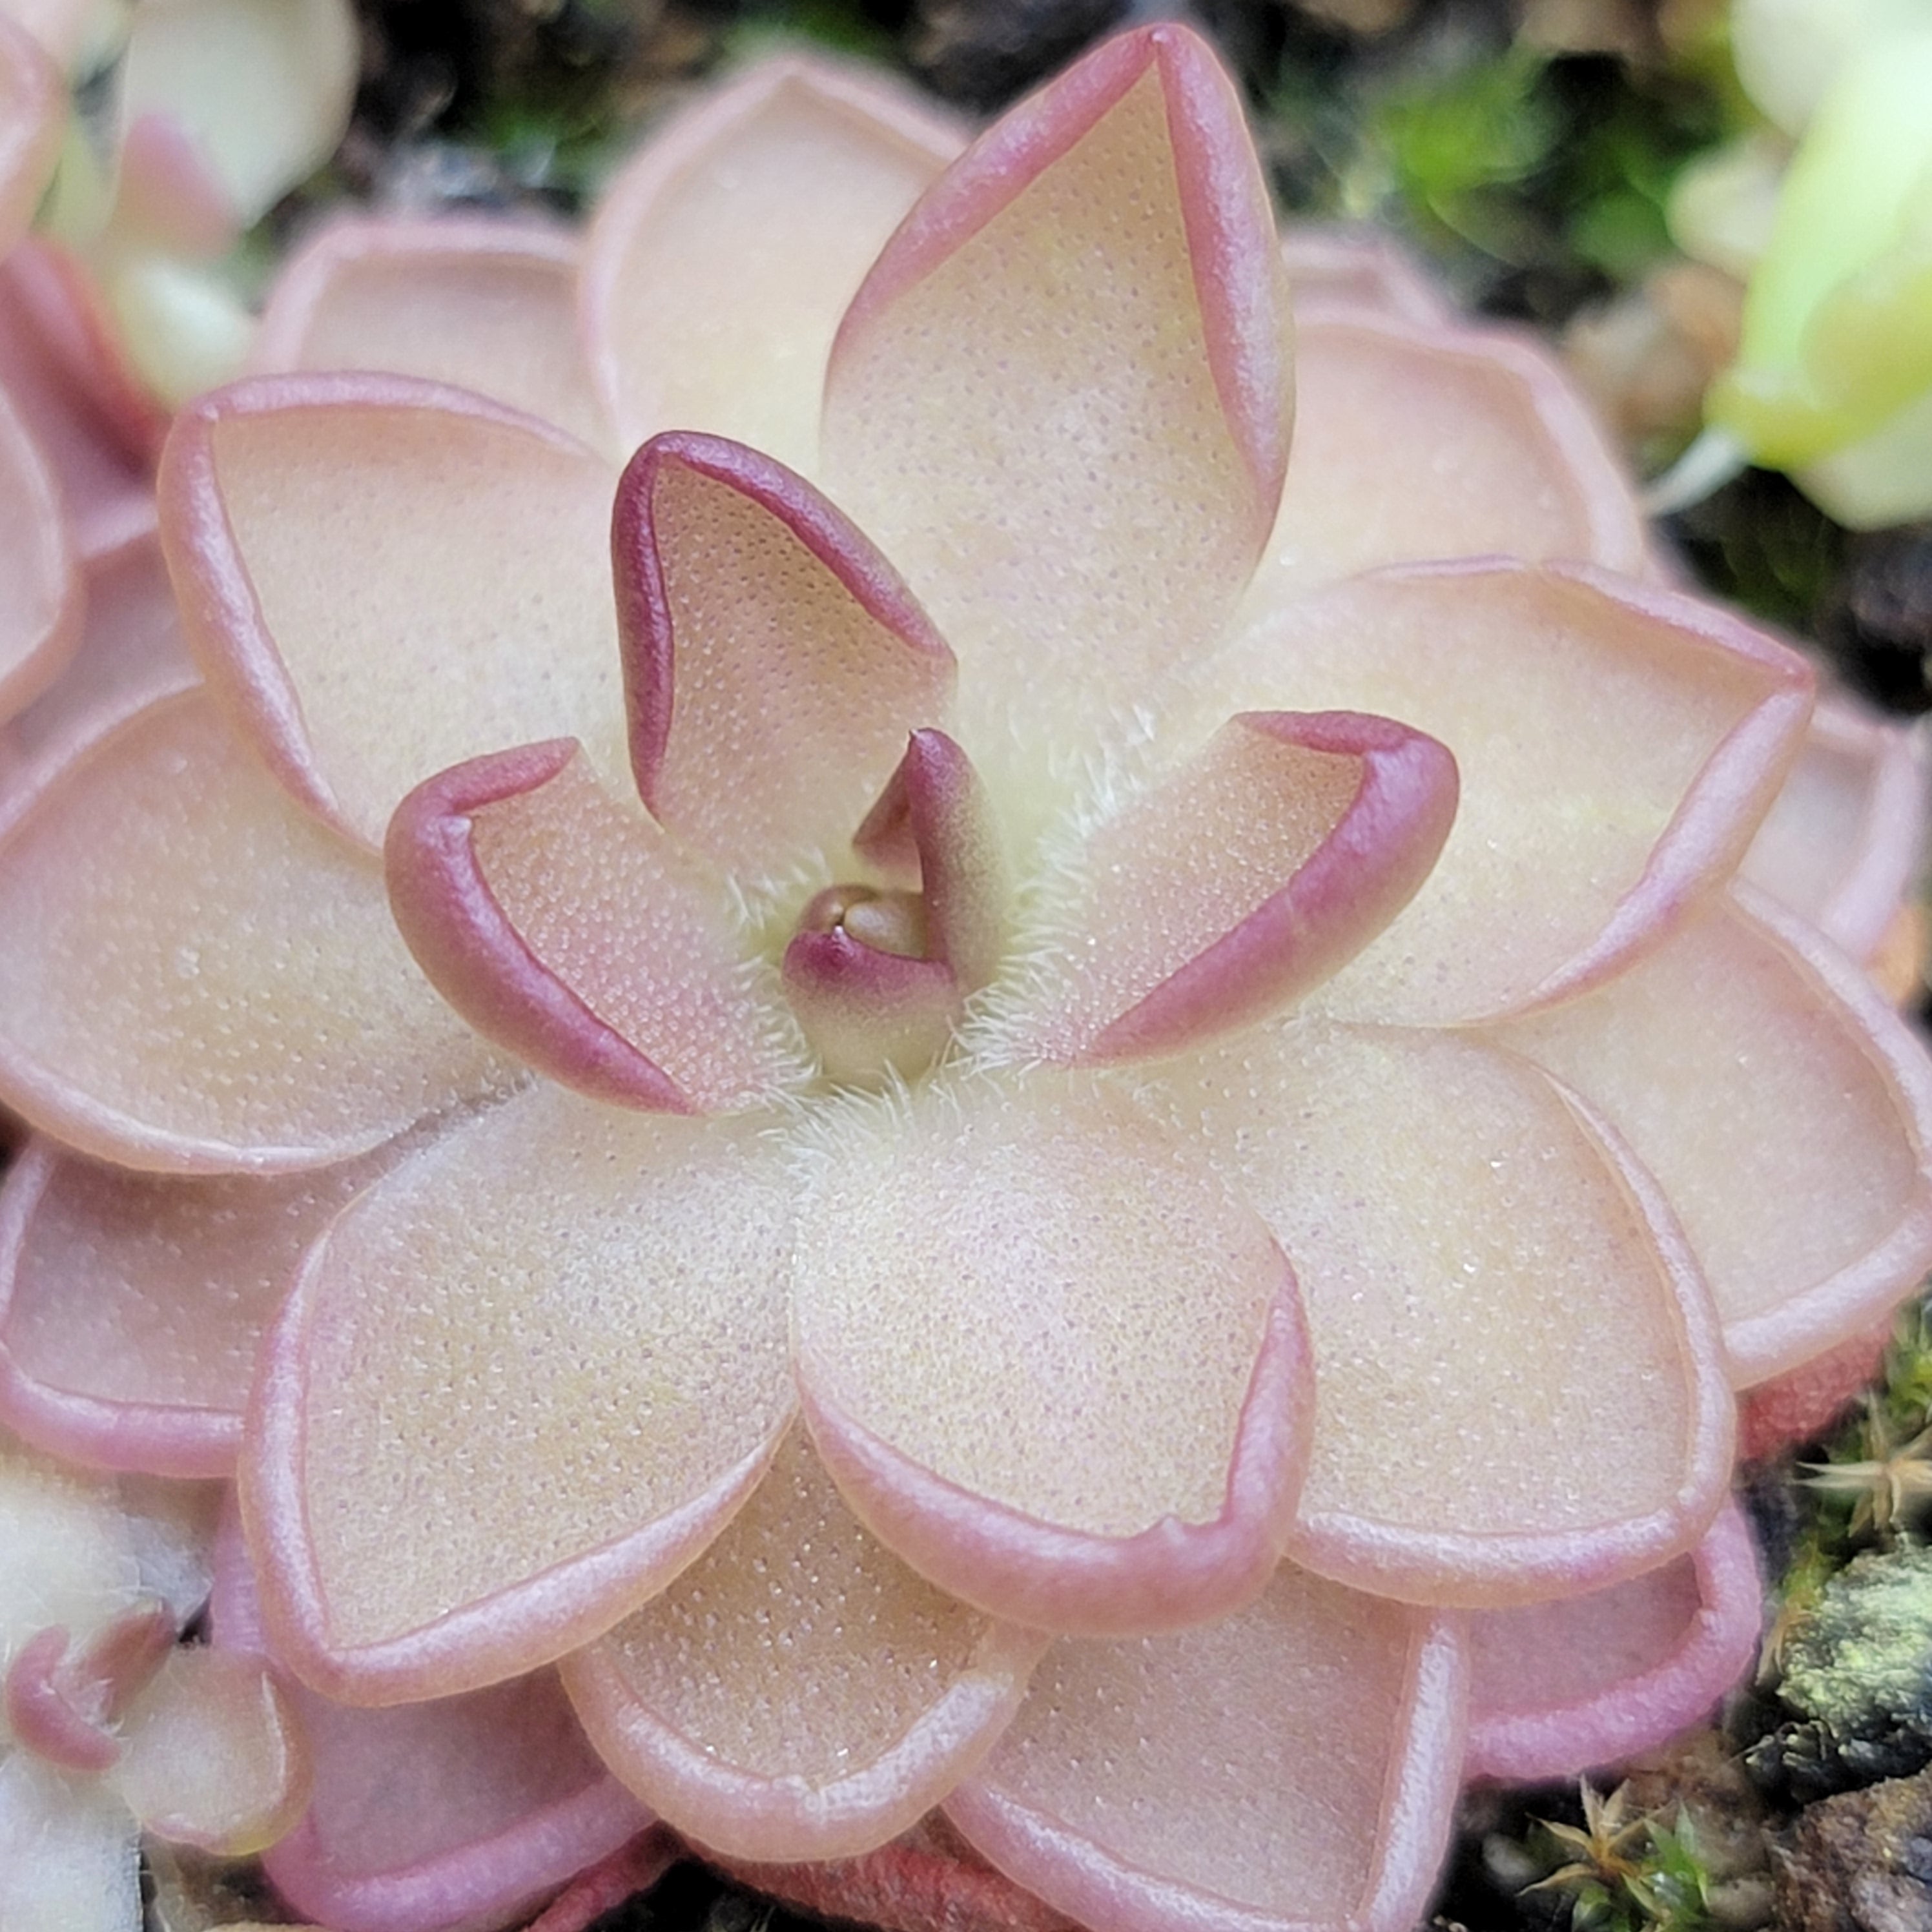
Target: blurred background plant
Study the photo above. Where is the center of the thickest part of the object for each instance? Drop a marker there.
(1825, 211)
(189, 120)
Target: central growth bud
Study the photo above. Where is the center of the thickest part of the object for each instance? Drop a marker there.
(878, 975)
(864, 986)
(885, 920)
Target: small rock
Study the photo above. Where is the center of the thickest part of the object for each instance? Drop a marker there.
(1880, 625)
(1857, 1681)
(1699, 1778)
(1861, 1862)
(1743, 1904)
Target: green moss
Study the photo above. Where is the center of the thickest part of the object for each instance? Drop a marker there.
(563, 147)
(1672, 1890)
(1448, 141)
(843, 25)
(1619, 1873)
(1623, 147)
(1761, 545)
(1905, 1390)
(1536, 181)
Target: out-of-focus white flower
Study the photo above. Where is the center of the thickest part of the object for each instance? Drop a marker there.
(1833, 379)
(217, 108)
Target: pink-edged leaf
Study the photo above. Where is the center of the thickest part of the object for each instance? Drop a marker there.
(124, 1657)
(568, 927)
(1416, 441)
(774, 661)
(31, 100)
(67, 379)
(61, 301)
(199, 977)
(1843, 843)
(1060, 401)
(467, 1810)
(1477, 1257)
(131, 653)
(98, 1576)
(879, 975)
(1247, 876)
(215, 1756)
(478, 612)
(132, 1305)
(1785, 1109)
(1291, 1767)
(1332, 265)
(39, 588)
(169, 198)
(798, 1693)
(1617, 746)
(462, 1811)
(488, 305)
(1037, 1250)
(53, 1704)
(722, 257)
(546, 1355)
(1557, 1688)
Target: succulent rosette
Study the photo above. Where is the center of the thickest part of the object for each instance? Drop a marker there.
(108, 1727)
(200, 115)
(207, 112)
(975, 1096)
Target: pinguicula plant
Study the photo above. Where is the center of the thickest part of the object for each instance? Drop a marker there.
(144, 139)
(861, 1068)
(111, 1727)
